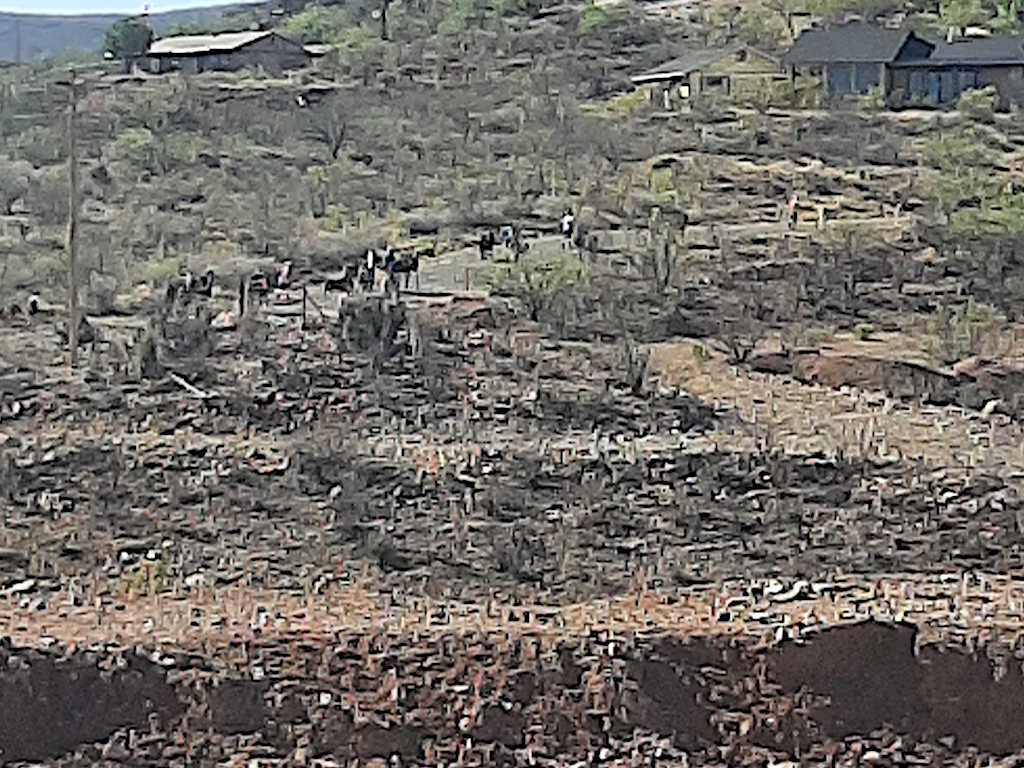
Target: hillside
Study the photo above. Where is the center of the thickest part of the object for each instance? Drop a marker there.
(40, 36)
(567, 507)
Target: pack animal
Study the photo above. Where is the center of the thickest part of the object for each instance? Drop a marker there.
(486, 244)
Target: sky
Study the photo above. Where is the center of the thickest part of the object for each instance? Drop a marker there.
(101, 6)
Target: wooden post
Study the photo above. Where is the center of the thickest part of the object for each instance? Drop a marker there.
(467, 278)
(72, 244)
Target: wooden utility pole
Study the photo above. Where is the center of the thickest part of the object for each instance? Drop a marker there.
(384, 19)
(72, 225)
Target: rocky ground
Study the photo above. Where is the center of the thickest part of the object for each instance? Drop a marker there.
(492, 547)
(768, 513)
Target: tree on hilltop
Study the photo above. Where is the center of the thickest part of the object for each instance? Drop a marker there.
(128, 38)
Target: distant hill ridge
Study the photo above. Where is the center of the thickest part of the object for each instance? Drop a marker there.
(46, 35)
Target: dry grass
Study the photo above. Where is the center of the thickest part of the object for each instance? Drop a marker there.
(801, 418)
(945, 608)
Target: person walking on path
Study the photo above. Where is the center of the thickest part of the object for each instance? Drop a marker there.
(791, 211)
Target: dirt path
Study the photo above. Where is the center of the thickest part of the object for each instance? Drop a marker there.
(449, 271)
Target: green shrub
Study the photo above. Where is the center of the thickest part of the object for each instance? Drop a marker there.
(316, 24)
(979, 104)
(592, 18)
(41, 145)
(874, 99)
(457, 18)
(621, 104)
(964, 165)
(538, 281)
(779, 94)
(754, 23)
(999, 215)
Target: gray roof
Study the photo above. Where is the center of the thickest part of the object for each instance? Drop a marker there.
(854, 42)
(980, 50)
(183, 45)
(690, 62)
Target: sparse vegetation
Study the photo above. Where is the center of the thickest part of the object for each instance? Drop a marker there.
(692, 390)
(961, 13)
(545, 284)
(960, 332)
(963, 162)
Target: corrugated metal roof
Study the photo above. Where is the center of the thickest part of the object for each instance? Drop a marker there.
(854, 42)
(193, 44)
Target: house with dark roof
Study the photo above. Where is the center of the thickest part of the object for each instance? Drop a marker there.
(228, 51)
(732, 70)
(960, 65)
(853, 58)
(858, 57)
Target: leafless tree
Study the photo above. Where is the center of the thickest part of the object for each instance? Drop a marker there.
(330, 121)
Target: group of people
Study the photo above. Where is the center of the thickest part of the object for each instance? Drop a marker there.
(15, 312)
(510, 237)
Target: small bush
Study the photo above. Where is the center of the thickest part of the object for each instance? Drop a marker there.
(459, 17)
(962, 160)
(15, 180)
(623, 104)
(154, 272)
(874, 99)
(539, 282)
(663, 185)
(41, 146)
(317, 25)
(47, 196)
(591, 18)
(818, 336)
(769, 94)
(968, 330)
(979, 104)
(138, 150)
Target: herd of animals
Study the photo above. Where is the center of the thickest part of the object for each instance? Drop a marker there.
(381, 268)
